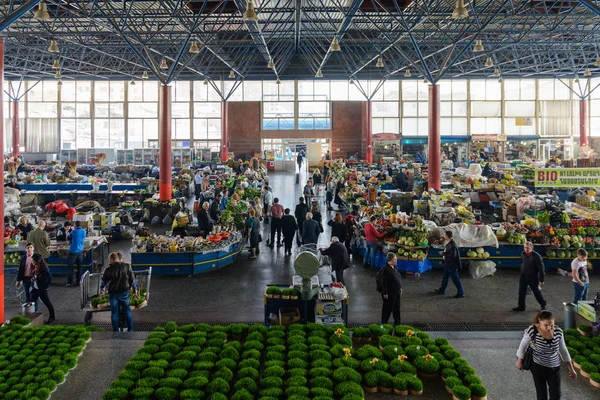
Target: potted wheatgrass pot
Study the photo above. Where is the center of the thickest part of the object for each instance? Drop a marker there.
(273, 292)
(585, 330)
(587, 368)
(595, 379)
(415, 386)
(400, 386)
(461, 392)
(478, 392)
(451, 383)
(427, 366)
(385, 382)
(370, 381)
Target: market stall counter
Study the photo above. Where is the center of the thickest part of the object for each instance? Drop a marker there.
(188, 256)
(93, 251)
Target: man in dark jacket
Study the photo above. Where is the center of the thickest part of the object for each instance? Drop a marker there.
(401, 181)
(339, 258)
(119, 279)
(532, 275)
(288, 228)
(215, 210)
(25, 272)
(391, 290)
(451, 257)
(310, 230)
(300, 213)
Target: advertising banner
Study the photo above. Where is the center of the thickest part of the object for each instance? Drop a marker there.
(567, 177)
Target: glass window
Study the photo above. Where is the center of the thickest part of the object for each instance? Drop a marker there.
(42, 110)
(485, 108)
(236, 95)
(68, 110)
(305, 90)
(181, 129)
(409, 90)
(101, 110)
(117, 90)
(143, 110)
(252, 90)
(182, 91)
(207, 110)
(384, 109)
(101, 91)
(180, 110)
(339, 90)
(519, 109)
(391, 91)
(313, 115)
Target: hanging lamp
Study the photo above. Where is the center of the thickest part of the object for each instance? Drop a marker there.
(250, 13)
(319, 74)
(145, 75)
(460, 11)
(335, 45)
(56, 64)
(163, 64)
(379, 63)
(231, 74)
(489, 63)
(53, 48)
(41, 14)
(407, 74)
(478, 48)
(194, 48)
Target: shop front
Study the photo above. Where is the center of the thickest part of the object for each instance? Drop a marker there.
(559, 147)
(456, 149)
(524, 148)
(487, 147)
(387, 147)
(414, 148)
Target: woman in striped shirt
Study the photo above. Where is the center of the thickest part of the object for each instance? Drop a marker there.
(548, 344)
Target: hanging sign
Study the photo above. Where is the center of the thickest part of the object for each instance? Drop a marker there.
(567, 177)
(484, 137)
(523, 121)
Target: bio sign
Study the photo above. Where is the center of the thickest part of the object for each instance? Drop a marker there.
(567, 177)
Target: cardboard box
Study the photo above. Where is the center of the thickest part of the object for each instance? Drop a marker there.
(84, 217)
(332, 319)
(328, 307)
(288, 316)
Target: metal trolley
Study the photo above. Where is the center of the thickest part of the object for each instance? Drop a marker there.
(90, 289)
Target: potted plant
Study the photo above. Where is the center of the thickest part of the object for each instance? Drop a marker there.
(400, 386)
(595, 379)
(385, 384)
(294, 294)
(370, 381)
(585, 330)
(427, 366)
(588, 368)
(415, 387)
(578, 360)
(273, 292)
(451, 382)
(447, 373)
(478, 392)
(460, 392)
(287, 293)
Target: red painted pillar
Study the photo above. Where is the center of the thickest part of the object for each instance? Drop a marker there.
(1, 178)
(434, 164)
(164, 143)
(224, 131)
(583, 122)
(16, 128)
(369, 114)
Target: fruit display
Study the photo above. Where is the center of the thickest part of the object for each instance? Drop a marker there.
(12, 258)
(517, 238)
(136, 300)
(478, 253)
(170, 244)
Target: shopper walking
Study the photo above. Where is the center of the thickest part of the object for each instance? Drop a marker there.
(253, 232)
(41, 282)
(25, 272)
(300, 213)
(276, 215)
(329, 191)
(581, 279)
(308, 192)
(532, 275)
(266, 201)
(40, 240)
(548, 346)
(310, 230)
(316, 212)
(339, 258)
(78, 236)
(288, 228)
(339, 186)
(350, 222)
(452, 264)
(338, 229)
(389, 284)
(215, 208)
(118, 277)
(198, 184)
(372, 236)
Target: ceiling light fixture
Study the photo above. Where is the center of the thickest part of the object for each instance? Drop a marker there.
(132, 82)
(278, 82)
(489, 63)
(352, 81)
(587, 72)
(576, 79)
(425, 81)
(231, 74)
(59, 83)
(460, 11)
(58, 75)
(379, 63)
(478, 48)
(271, 64)
(597, 63)
(163, 64)
(53, 48)
(205, 81)
(496, 72)
(194, 48)
(407, 74)
(56, 64)
(145, 75)
(319, 74)
(335, 45)
(41, 14)
(250, 13)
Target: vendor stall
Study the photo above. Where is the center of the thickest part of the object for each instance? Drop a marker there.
(488, 147)
(521, 148)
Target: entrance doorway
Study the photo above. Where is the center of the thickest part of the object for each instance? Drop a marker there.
(286, 152)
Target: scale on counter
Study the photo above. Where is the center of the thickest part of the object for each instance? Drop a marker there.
(306, 266)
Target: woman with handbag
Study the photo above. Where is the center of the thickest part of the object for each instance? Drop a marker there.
(541, 350)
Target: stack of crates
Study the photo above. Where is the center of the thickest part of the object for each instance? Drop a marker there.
(107, 221)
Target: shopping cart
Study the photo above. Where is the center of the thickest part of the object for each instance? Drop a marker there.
(90, 289)
(14, 293)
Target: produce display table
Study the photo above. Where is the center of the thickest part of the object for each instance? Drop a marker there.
(93, 254)
(78, 186)
(188, 262)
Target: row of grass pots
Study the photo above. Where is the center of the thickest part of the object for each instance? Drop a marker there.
(585, 352)
(246, 362)
(35, 360)
(274, 292)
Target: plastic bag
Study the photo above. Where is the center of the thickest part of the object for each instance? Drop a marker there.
(167, 220)
(480, 269)
(155, 220)
(473, 235)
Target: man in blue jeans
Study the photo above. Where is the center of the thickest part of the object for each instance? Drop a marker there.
(119, 279)
(78, 236)
(451, 266)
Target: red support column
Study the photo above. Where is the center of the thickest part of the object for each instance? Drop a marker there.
(2, 179)
(164, 143)
(225, 131)
(583, 122)
(369, 114)
(16, 128)
(434, 164)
